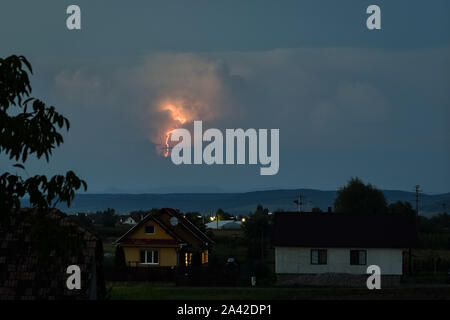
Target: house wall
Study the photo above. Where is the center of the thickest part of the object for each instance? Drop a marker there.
(167, 256)
(294, 260)
(160, 233)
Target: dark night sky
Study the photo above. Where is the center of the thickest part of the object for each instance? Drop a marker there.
(348, 101)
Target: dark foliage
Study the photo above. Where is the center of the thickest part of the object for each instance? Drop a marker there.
(358, 198)
(29, 127)
(119, 257)
(222, 215)
(257, 228)
(107, 218)
(437, 224)
(401, 208)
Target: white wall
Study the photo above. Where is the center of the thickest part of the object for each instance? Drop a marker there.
(298, 260)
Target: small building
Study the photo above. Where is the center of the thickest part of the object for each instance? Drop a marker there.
(336, 249)
(128, 220)
(224, 224)
(36, 249)
(164, 238)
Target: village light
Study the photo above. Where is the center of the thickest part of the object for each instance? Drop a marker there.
(211, 218)
(243, 219)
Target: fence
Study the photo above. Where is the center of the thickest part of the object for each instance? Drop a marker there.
(193, 276)
(148, 274)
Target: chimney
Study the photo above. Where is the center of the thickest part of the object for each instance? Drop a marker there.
(329, 210)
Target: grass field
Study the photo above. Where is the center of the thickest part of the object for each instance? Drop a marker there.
(144, 291)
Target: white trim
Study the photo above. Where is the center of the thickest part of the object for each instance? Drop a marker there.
(152, 257)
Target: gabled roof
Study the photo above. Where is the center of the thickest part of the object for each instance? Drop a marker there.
(35, 250)
(155, 216)
(221, 223)
(148, 217)
(293, 229)
(189, 225)
(136, 216)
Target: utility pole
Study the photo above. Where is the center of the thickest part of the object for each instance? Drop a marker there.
(417, 187)
(299, 202)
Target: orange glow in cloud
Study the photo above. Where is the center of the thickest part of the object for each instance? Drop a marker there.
(178, 116)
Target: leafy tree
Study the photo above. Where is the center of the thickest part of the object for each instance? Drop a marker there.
(222, 215)
(108, 217)
(359, 198)
(439, 223)
(257, 228)
(29, 127)
(83, 220)
(401, 208)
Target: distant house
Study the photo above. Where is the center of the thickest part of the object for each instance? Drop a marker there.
(336, 249)
(36, 248)
(164, 238)
(127, 220)
(224, 224)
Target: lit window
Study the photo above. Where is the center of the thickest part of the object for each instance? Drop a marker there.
(204, 256)
(187, 259)
(149, 257)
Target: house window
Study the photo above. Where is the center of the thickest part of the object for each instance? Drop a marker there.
(205, 257)
(149, 229)
(149, 257)
(358, 257)
(318, 256)
(187, 259)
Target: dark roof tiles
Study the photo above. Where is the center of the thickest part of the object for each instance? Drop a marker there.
(340, 230)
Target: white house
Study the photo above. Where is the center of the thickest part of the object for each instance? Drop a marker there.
(128, 220)
(224, 224)
(336, 249)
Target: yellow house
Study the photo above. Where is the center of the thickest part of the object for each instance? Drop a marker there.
(164, 238)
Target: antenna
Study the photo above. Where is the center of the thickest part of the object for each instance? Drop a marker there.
(299, 202)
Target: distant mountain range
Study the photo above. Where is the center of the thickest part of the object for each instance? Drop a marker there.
(238, 203)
